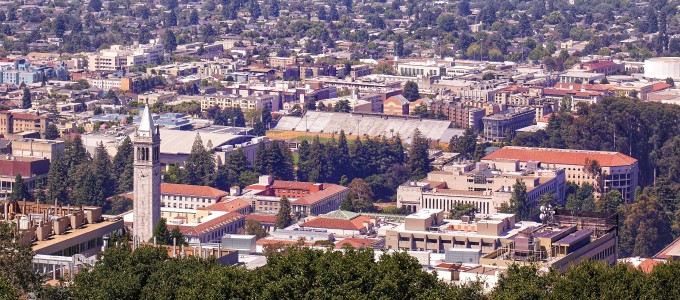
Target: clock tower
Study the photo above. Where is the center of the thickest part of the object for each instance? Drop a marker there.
(147, 177)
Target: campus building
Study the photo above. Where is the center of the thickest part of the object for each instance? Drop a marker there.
(486, 186)
(498, 126)
(619, 171)
(306, 198)
(428, 230)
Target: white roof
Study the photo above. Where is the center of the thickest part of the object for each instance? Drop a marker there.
(146, 125)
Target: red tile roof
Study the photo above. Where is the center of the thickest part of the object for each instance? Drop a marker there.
(354, 224)
(192, 190)
(355, 243)
(233, 205)
(268, 219)
(312, 198)
(291, 185)
(210, 225)
(562, 156)
(659, 86)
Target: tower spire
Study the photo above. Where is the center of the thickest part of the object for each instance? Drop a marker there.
(146, 126)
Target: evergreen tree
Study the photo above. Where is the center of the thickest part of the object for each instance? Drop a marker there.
(176, 236)
(101, 167)
(123, 166)
(51, 132)
(321, 13)
(26, 99)
(348, 5)
(230, 174)
(283, 217)
(171, 19)
(315, 165)
(410, 91)
(20, 190)
(160, 233)
(399, 46)
(343, 165)
(333, 14)
(274, 8)
(57, 179)
(464, 8)
(193, 17)
(418, 159)
(266, 117)
(254, 9)
(169, 40)
(200, 164)
(85, 190)
(260, 162)
(95, 5)
(519, 202)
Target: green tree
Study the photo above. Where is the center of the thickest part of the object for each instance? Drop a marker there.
(609, 202)
(463, 209)
(464, 8)
(670, 81)
(176, 236)
(274, 8)
(582, 199)
(102, 167)
(57, 179)
(418, 158)
(20, 190)
(464, 145)
(255, 228)
(447, 22)
(359, 198)
(95, 5)
(266, 117)
(169, 40)
(16, 274)
(646, 225)
(193, 17)
(51, 132)
(200, 164)
(26, 99)
(284, 215)
(123, 166)
(161, 235)
(342, 106)
(519, 202)
(521, 282)
(254, 9)
(410, 91)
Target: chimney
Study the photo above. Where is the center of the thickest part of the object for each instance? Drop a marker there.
(316, 187)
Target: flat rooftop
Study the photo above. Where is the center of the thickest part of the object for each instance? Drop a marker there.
(76, 236)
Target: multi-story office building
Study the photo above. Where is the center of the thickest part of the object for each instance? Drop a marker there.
(486, 186)
(619, 171)
(189, 196)
(498, 126)
(428, 230)
(566, 238)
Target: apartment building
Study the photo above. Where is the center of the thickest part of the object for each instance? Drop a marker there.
(619, 171)
(460, 116)
(486, 186)
(119, 57)
(11, 123)
(245, 103)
